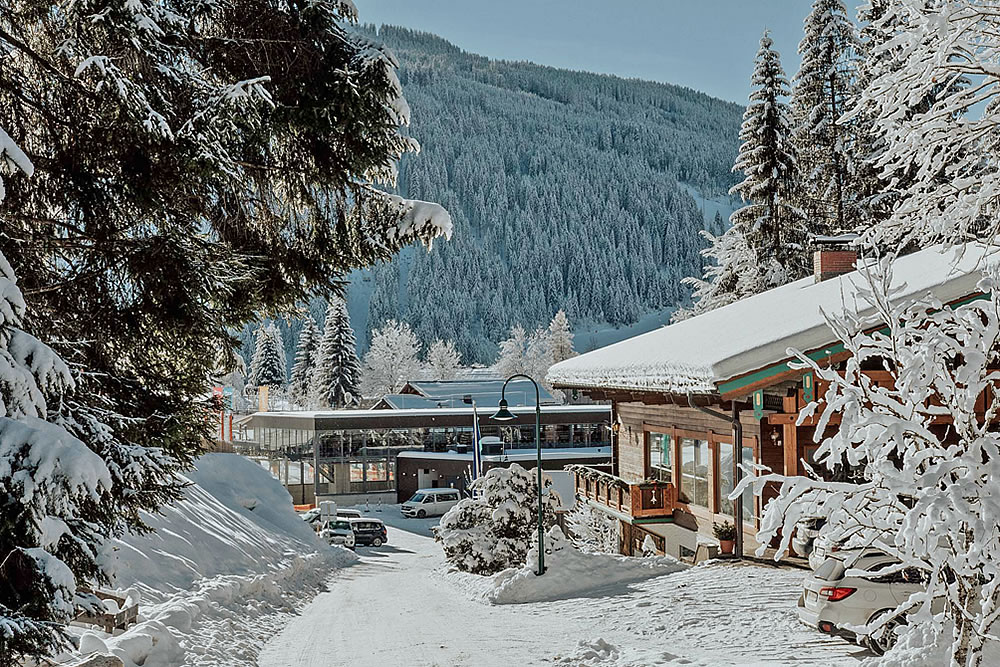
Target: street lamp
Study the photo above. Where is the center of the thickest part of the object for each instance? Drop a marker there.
(505, 415)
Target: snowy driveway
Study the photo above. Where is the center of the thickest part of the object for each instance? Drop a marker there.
(397, 607)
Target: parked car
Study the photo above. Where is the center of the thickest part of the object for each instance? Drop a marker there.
(368, 531)
(348, 514)
(832, 601)
(430, 502)
(314, 517)
(338, 531)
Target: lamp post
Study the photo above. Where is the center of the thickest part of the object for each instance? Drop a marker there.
(504, 415)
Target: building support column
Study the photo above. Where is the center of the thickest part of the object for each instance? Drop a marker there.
(790, 441)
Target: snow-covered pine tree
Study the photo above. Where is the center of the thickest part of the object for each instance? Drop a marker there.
(391, 359)
(336, 378)
(299, 389)
(268, 364)
(67, 485)
(560, 338)
(443, 359)
(766, 245)
(495, 530)
(822, 90)
(138, 287)
(768, 221)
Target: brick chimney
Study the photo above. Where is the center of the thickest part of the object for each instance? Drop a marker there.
(828, 263)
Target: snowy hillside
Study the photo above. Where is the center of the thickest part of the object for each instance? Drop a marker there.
(222, 572)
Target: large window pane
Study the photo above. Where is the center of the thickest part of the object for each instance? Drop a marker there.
(747, 496)
(659, 456)
(725, 478)
(695, 462)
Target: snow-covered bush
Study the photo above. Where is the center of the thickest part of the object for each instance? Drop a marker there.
(494, 530)
(593, 530)
(930, 459)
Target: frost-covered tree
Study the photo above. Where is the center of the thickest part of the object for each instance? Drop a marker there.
(594, 531)
(513, 353)
(391, 359)
(268, 364)
(938, 149)
(336, 379)
(443, 359)
(495, 529)
(823, 87)
(766, 245)
(305, 363)
(560, 338)
(928, 460)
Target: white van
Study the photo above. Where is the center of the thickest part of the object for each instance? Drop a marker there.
(431, 502)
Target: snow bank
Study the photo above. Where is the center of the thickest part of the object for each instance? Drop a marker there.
(571, 573)
(222, 572)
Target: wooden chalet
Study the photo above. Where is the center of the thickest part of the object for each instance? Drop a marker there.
(683, 394)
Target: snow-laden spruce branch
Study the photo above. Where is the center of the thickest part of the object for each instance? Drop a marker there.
(926, 445)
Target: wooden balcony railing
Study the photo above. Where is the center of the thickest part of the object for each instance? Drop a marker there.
(644, 500)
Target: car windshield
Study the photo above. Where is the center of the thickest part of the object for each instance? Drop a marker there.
(341, 525)
(417, 498)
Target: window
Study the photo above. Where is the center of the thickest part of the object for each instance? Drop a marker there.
(695, 462)
(658, 447)
(726, 485)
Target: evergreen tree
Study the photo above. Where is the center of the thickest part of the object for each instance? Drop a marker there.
(766, 245)
(336, 379)
(67, 483)
(305, 363)
(443, 359)
(560, 338)
(823, 89)
(391, 359)
(268, 364)
(767, 159)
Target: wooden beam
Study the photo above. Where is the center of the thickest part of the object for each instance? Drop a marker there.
(791, 446)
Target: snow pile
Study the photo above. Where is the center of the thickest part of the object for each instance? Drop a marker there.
(570, 573)
(593, 652)
(225, 568)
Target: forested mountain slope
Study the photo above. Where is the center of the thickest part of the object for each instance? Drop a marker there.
(563, 187)
(568, 190)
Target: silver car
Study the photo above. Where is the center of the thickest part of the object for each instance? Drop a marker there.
(833, 602)
(338, 531)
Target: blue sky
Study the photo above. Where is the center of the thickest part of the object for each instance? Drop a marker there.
(707, 45)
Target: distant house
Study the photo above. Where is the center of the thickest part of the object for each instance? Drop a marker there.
(452, 394)
(673, 462)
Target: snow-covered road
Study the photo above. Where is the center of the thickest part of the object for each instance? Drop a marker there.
(398, 607)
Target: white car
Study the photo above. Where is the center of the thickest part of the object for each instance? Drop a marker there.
(430, 502)
(832, 602)
(338, 531)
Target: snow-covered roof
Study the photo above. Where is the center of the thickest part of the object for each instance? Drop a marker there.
(697, 354)
(450, 393)
(516, 455)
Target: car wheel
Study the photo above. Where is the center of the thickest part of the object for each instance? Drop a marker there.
(883, 639)
(377, 542)
(421, 514)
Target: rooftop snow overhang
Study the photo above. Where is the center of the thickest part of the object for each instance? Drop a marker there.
(745, 346)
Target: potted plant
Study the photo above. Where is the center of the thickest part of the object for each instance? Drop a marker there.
(725, 532)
